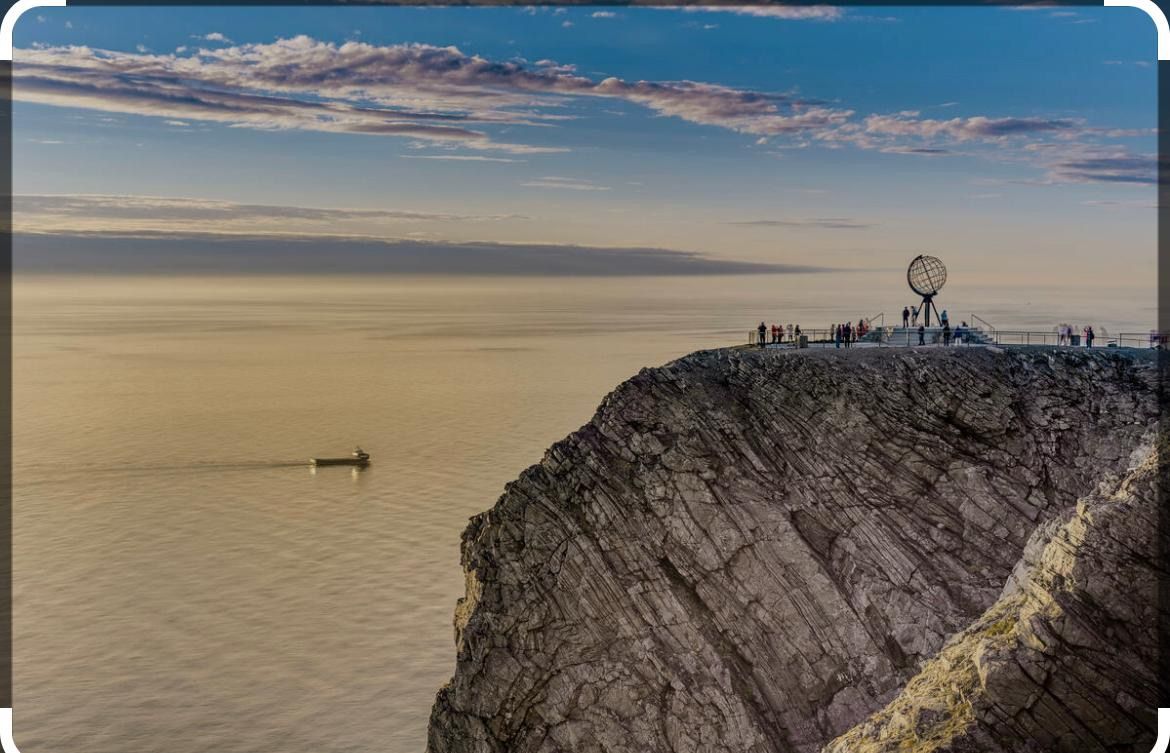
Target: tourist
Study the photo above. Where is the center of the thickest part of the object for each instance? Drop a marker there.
(914, 316)
(942, 318)
(797, 332)
(789, 333)
(1090, 335)
(960, 333)
(946, 334)
(921, 335)
(905, 317)
(763, 329)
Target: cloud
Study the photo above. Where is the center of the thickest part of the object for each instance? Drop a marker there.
(215, 36)
(571, 184)
(210, 254)
(964, 129)
(443, 97)
(412, 90)
(924, 151)
(603, 14)
(97, 212)
(784, 12)
(825, 223)
(1129, 204)
(460, 158)
(1111, 168)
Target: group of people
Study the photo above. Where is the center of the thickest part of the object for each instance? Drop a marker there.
(778, 333)
(848, 333)
(1066, 332)
(910, 317)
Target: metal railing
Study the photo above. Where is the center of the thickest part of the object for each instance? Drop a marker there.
(933, 335)
(823, 336)
(986, 326)
(1120, 340)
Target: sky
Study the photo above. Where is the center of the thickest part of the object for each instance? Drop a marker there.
(786, 139)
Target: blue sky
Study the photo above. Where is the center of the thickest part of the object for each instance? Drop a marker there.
(845, 138)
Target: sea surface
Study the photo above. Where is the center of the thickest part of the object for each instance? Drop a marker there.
(185, 583)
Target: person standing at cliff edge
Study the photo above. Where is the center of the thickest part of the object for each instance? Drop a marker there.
(921, 335)
(905, 317)
(763, 330)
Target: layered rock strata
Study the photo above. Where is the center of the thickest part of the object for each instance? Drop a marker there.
(756, 551)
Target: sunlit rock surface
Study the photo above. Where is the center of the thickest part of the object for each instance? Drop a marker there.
(1063, 661)
(755, 551)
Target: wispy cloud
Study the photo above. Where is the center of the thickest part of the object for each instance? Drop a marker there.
(443, 97)
(416, 91)
(783, 12)
(570, 184)
(1125, 204)
(96, 212)
(1111, 168)
(964, 129)
(603, 14)
(460, 158)
(824, 223)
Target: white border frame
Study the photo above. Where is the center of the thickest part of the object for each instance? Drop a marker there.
(1151, 9)
(13, 15)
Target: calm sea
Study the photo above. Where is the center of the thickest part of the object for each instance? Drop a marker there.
(185, 583)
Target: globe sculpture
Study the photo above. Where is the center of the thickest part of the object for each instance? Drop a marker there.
(926, 276)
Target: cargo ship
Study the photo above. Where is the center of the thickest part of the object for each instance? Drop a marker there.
(358, 457)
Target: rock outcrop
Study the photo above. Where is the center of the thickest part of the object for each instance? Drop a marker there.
(756, 551)
(1063, 661)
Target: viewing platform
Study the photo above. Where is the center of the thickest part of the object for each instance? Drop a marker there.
(908, 337)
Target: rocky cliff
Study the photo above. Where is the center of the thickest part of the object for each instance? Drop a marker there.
(865, 550)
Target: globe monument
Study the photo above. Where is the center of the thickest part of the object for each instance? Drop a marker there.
(926, 276)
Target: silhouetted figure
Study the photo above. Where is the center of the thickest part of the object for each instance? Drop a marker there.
(946, 335)
(921, 335)
(763, 335)
(905, 317)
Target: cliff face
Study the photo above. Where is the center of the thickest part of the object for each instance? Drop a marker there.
(1063, 661)
(753, 551)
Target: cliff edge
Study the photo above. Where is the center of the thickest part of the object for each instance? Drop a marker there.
(863, 550)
